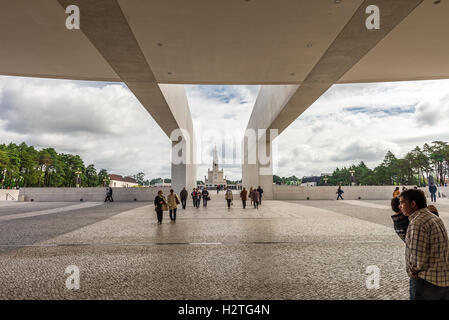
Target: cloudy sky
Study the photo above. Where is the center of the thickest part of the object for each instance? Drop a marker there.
(107, 126)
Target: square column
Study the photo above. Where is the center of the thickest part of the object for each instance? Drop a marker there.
(257, 164)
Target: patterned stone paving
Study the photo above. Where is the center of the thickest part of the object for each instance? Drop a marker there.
(284, 250)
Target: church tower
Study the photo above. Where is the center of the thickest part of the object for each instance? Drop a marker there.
(215, 176)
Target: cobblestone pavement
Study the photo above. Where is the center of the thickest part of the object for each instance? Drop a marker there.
(284, 250)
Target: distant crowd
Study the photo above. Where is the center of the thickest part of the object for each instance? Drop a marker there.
(172, 201)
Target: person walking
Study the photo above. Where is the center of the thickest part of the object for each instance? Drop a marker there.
(198, 198)
(229, 197)
(260, 191)
(396, 192)
(426, 250)
(251, 194)
(433, 191)
(194, 197)
(107, 195)
(183, 195)
(244, 197)
(205, 194)
(172, 203)
(339, 192)
(160, 204)
(255, 198)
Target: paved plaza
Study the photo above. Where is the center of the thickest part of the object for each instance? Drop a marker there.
(283, 250)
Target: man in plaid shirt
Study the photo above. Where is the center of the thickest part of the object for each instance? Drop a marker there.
(426, 249)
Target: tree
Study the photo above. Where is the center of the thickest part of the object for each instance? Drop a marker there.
(103, 178)
(140, 178)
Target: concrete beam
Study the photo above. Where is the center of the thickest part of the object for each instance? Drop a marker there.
(104, 24)
(277, 107)
(351, 45)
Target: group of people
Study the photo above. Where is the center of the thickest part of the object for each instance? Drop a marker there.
(197, 195)
(254, 194)
(426, 244)
(171, 203)
(432, 190)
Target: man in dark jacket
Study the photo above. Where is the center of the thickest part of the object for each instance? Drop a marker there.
(109, 195)
(183, 196)
(244, 197)
(159, 201)
(194, 197)
(260, 190)
(339, 192)
(205, 194)
(433, 191)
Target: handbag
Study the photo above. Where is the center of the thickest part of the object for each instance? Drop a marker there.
(177, 200)
(164, 207)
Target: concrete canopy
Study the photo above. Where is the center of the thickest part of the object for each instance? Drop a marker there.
(212, 42)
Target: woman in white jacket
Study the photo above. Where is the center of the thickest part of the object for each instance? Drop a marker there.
(229, 197)
(172, 203)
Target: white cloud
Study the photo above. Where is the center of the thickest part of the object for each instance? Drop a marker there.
(360, 122)
(103, 123)
(107, 126)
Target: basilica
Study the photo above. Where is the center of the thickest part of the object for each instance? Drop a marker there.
(215, 176)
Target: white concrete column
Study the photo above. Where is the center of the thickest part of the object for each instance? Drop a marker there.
(250, 167)
(257, 166)
(265, 163)
(183, 165)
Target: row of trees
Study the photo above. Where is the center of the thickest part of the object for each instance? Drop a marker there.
(413, 169)
(24, 166)
(293, 180)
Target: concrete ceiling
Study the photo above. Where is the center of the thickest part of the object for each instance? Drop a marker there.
(35, 42)
(235, 41)
(417, 49)
(229, 42)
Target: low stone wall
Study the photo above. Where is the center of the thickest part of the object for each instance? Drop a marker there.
(88, 194)
(6, 194)
(350, 193)
(148, 194)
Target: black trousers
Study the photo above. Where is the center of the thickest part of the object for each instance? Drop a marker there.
(159, 215)
(173, 214)
(229, 202)
(256, 204)
(423, 290)
(184, 203)
(244, 204)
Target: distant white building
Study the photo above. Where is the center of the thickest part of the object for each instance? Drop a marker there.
(163, 184)
(117, 181)
(215, 176)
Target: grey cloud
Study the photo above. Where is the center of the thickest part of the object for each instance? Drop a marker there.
(359, 150)
(430, 113)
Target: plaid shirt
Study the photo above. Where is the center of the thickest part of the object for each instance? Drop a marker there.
(427, 248)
